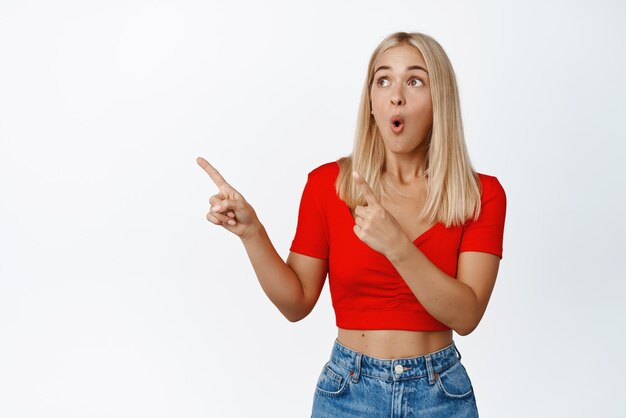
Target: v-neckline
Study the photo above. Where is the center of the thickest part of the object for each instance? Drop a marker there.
(426, 233)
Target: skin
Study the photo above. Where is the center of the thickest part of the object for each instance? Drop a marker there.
(388, 226)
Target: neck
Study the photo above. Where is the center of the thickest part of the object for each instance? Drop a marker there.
(404, 170)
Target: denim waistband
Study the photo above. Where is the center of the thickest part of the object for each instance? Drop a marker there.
(395, 369)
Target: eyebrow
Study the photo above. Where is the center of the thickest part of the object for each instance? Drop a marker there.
(412, 67)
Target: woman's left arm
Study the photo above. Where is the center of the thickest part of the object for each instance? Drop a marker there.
(458, 303)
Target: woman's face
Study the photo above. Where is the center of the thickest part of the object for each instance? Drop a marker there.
(401, 102)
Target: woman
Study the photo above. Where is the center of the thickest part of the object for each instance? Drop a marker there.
(409, 234)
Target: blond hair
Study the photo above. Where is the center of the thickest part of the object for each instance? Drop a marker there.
(453, 191)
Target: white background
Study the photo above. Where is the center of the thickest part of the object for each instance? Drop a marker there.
(119, 299)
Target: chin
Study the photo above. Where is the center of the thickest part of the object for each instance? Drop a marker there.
(400, 150)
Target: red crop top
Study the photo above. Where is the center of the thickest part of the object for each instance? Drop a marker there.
(367, 291)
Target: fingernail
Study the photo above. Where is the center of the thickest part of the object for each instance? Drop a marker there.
(217, 208)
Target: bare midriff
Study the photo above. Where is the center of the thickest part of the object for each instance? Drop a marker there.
(394, 344)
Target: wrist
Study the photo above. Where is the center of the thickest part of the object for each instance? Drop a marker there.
(254, 231)
(400, 250)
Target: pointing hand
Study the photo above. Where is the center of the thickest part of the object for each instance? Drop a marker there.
(375, 226)
(228, 207)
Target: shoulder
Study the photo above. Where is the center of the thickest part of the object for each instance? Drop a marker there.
(330, 169)
(491, 187)
(321, 180)
(324, 174)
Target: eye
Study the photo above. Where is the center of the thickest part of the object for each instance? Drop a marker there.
(381, 82)
(416, 82)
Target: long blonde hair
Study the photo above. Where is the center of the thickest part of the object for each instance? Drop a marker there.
(453, 191)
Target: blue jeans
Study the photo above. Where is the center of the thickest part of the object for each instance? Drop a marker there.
(355, 385)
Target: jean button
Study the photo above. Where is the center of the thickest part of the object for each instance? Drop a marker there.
(399, 369)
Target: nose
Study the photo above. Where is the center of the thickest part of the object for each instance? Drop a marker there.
(397, 99)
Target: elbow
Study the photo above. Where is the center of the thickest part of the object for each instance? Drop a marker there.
(464, 331)
(470, 320)
(296, 316)
(296, 311)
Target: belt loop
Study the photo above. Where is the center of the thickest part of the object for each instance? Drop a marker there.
(356, 373)
(457, 350)
(429, 369)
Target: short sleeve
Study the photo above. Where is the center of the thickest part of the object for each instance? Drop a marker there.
(311, 236)
(486, 234)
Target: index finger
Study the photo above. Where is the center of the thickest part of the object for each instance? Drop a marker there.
(212, 172)
(365, 188)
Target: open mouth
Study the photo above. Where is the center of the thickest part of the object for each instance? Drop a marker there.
(397, 124)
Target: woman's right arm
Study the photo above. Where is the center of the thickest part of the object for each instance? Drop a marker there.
(293, 287)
